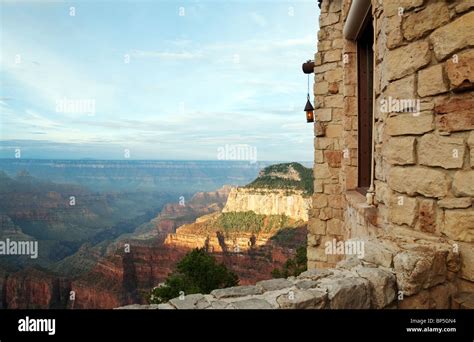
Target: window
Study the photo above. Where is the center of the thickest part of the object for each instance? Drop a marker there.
(365, 65)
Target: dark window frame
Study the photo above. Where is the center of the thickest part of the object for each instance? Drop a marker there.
(365, 69)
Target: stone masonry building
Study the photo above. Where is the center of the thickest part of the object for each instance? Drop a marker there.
(394, 142)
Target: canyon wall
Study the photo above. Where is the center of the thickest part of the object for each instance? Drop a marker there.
(133, 264)
(291, 203)
(252, 256)
(127, 275)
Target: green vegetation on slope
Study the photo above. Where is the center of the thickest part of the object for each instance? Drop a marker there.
(293, 266)
(197, 272)
(272, 177)
(248, 221)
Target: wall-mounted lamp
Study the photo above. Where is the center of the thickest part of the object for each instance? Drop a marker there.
(309, 110)
(308, 68)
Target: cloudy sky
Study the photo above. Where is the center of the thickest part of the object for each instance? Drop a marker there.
(163, 79)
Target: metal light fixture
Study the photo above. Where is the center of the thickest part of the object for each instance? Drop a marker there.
(309, 111)
(308, 67)
(309, 108)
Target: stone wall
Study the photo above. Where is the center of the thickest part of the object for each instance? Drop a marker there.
(424, 138)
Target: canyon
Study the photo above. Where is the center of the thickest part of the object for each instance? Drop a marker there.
(123, 272)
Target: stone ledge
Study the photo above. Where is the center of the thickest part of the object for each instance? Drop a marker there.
(358, 201)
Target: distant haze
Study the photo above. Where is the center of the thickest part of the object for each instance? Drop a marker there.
(137, 175)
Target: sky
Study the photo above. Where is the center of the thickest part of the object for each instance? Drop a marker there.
(159, 79)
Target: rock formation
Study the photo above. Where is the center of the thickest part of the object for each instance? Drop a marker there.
(269, 202)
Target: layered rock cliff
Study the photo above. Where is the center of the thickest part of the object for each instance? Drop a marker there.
(252, 255)
(293, 204)
(281, 189)
(34, 289)
(185, 211)
(123, 278)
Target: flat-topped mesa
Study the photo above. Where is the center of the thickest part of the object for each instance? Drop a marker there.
(281, 189)
(269, 202)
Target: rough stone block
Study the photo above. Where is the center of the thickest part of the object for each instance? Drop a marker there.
(466, 251)
(431, 81)
(382, 285)
(236, 291)
(391, 8)
(251, 304)
(334, 101)
(316, 254)
(335, 227)
(406, 60)
(470, 142)
(399, 150)
(274, 284)
(461, 72)
(417, 270)
(315, 274)
(418, 180)
(453, 36)
(458, 224)
(324, 114)
(427, 216)
(188, 302)
(447, 152)
(404, 124)
(455, 203)
(463, 183)
(416, 24)
(303, 299)
(378, 254)
(403, 210)
(347, 292)
(327, 19)
(455, 115)
(401, 89)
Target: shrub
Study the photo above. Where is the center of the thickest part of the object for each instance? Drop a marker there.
(293, 266)
(197, 272)
(269, 181)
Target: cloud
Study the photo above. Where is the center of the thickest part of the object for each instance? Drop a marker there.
(270, 85)
(53, 78)
(164, 54)
(37, 120)
(251, 53)
(181, 42)
(264, 44)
